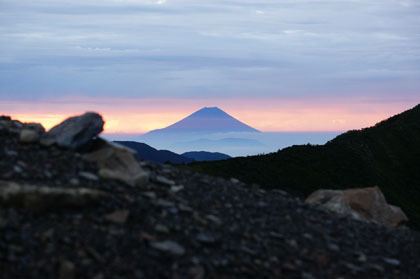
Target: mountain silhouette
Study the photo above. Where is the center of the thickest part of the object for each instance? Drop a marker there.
(147, 152)
(207, 120)
(201, 156)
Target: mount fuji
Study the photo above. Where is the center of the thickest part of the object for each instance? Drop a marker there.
(206, 120)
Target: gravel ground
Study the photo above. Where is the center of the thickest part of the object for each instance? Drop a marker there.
(182, 225)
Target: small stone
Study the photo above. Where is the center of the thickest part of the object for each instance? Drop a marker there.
(74, 181)
(118, 216)
(48, 174)
(94, 254)
(11, 153)
(292, 243)
(377, 268)
(214, 219)
(29, 136)
(281, 192)
(150, 195)
(362, 258)
(47, 235)
(142, 179)
(88, 176)
(163, 180)
(196, 272)
(161, 228)
(390, 261)
(168, 246)
(164, 203)
(175, 189)
(205, 238)
(248, 250)
(17, 169)
(307, 236)
(234, 180)
(307, 275)
(184, 208)
(333, 247)
(288, 267)
(67, 270)
(354, 269)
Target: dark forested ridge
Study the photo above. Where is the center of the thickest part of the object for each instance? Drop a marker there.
(387, 155)
(147, 152)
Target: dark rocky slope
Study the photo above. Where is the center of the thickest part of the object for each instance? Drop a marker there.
(385, 155)
(180, 225)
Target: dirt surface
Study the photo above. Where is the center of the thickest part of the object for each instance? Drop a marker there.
(182, 225)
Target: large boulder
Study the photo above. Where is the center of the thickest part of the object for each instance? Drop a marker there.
(118, 162)
(75, 132)
(366, 204)
(40, 198)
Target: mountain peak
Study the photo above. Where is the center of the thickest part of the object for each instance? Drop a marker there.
(210, 112)
(210, 120)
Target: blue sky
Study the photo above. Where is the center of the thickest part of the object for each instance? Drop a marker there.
(195, 49)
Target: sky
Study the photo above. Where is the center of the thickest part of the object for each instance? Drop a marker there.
(277, 65)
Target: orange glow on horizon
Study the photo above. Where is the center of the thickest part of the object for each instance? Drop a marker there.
(136, 116)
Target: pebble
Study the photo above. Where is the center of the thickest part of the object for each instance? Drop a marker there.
(161, 228)
(362, 258)
(196, 272)
(150, 195)
(307, 236)
(292, 243)
(142, 179)
(377, 267)
(307, 275)
(17, 169)
(74, 181)
(214, 219)
(169, 246)
(333, 247)
(205, 238)
(390, 261)
(88, 176)
(67, 270)
(163, 180)
(176, 189)
(118, 216)
(234, 180)
(164, 203)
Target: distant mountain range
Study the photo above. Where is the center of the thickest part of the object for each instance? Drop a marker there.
(147, 152)
(216, 143)
(200, 156)
(206, 120)
(386, 155)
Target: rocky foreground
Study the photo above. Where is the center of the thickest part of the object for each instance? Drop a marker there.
(67, 211)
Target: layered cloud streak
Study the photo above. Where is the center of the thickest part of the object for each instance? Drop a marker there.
(192, 49)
